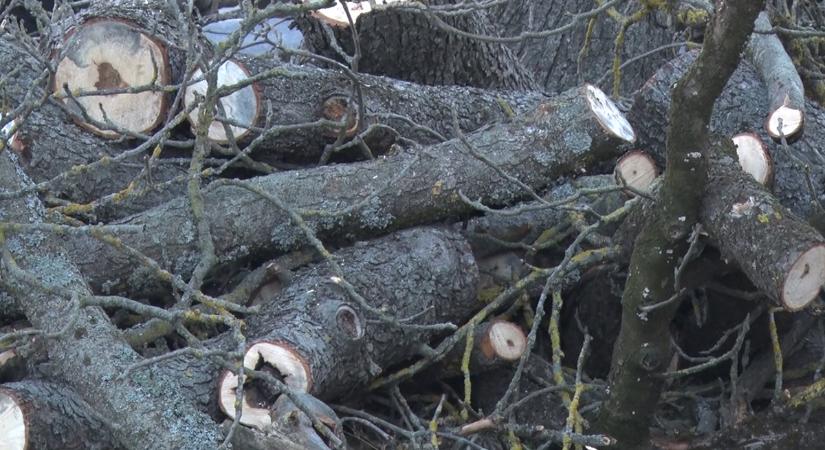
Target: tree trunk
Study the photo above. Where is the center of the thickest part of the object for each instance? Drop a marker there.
(413, 46)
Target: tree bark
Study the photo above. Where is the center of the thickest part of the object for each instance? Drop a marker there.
(92, 356)
(410, 45)
(300, 94)
(50, 416)
(643, 349)
(741, 108)
(554, 59)
(559, 137)
(417, 277)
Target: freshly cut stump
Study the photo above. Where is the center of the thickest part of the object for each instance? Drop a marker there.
(754, 157)
(637, 170)
(785, 121)
(242, 107)
(109, 54)
(12, 424)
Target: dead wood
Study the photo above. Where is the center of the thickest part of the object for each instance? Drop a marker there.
(322, 341)
(44, 415)
(49, 291)
(402, 190)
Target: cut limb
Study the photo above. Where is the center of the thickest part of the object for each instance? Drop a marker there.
(557, 138)
(496, 343)
(786, 94)
(241, 107)
(42, 415)
(320, 340)
(754, 157)
(637, 170)
(110, 54)
(781, 255)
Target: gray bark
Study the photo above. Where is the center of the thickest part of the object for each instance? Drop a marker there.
(57, 418)
(561, 136)
(408, 45)
(149, 412)
(422, 273)
(742, 107)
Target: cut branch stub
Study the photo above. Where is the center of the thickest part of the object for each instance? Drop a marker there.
(290, 366)
(754, 157)
(637, 170)
(106, 55)
(242, 107)
(503, 340)
(785, 121)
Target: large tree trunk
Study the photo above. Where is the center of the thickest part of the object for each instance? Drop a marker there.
(409, 45)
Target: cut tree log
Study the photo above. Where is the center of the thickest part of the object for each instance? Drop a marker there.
(303, 94)
(786, 94)
(782, 255)
(91, 354)
(496, 343)
(754, 157)
(637, 170)
(242, 106)
(569, 132)
(320, 340)
(406, 42)
(106, 54)
(741, 108)
(44, 415)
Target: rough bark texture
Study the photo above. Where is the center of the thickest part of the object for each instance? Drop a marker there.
(57, 418)
(408, 45)
(298, 94)
(559, 137)
(425, 273)
(553, 60)
(149, 412)
(643, 349)
(741, 107)
(50, 143)
(735, 205)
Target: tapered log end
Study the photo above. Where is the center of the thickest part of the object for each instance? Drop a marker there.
(637, 170)
(785, 121)
(12, 424)
(505, 341)
(754, 157)
(242, 107)
(109, 54)
(805, 279)
(608, 115)
(289, 365)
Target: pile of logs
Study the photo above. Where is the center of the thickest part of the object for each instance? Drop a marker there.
(192, 236)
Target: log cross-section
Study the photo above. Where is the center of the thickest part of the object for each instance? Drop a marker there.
(113, 55)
